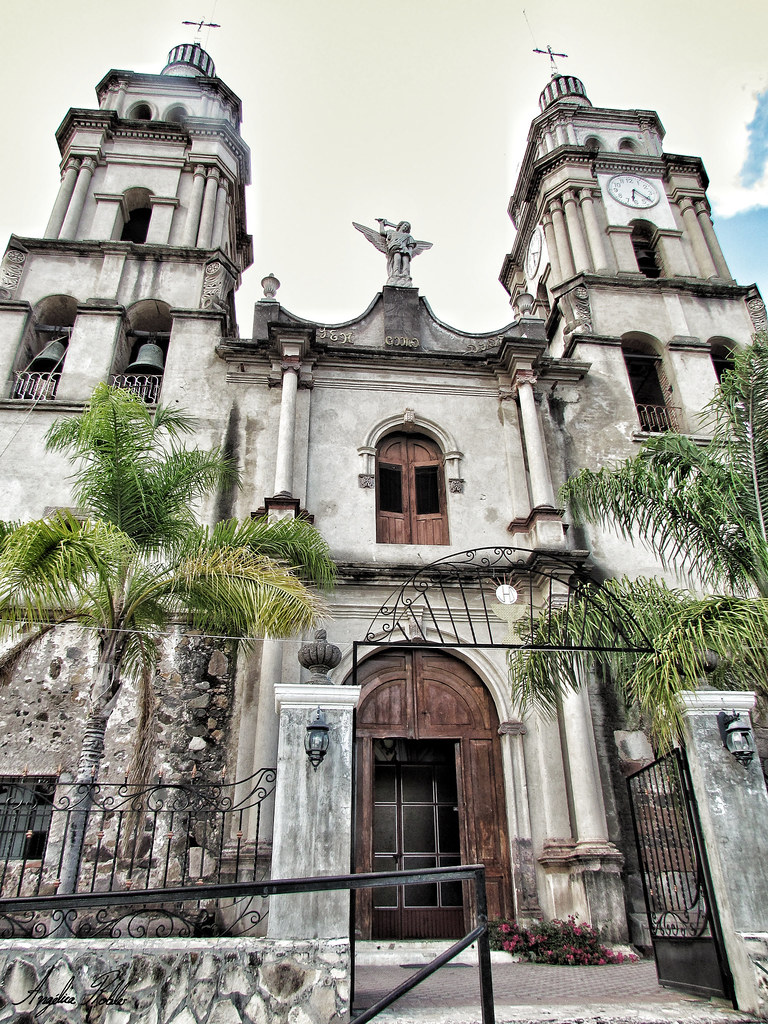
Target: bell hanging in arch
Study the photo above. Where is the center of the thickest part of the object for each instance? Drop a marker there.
(51, 358)
(149, 360)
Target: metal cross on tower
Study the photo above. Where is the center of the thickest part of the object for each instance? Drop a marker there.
(200, 25)
(552, 55)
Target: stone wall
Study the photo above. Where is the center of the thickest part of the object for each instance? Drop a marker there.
(174, 981)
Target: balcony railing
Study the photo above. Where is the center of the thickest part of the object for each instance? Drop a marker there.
(145, 385)
(655, 419)
(36, 386)
(137, 838)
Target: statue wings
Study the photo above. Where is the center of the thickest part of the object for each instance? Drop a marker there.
(373, 235)
(420, 247)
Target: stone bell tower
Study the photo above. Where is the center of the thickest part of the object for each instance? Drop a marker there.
(133, 279)
(616, 247)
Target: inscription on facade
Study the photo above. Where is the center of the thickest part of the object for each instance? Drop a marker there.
(398, 342)
(330, 334)
(483, 346)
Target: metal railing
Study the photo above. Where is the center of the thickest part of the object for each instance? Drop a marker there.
(656, 419)
(40, 387)
(167, 835)
(145, 385)
(67, 909)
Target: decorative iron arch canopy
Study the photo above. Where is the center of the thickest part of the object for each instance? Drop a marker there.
(509, 598)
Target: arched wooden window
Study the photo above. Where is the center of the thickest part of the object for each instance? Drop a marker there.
(410, 491)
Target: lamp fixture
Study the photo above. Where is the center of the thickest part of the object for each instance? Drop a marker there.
(316, 739)
(736, 736)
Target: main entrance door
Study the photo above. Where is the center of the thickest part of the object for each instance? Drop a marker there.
(430, 791)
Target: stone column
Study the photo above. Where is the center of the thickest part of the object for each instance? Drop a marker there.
(554, 257)
(594, 231)
(561, 240)
(521, 836)
(696, 237)
(702, 213)
(77, 202)
(538, 464)
(733, 810)
(595, 858)
(220, 214)
(287, 427)
(205, 231)
(66, 189)
(621, 239)
(192, 223)
(575, 232)
(313, 806)
(161, 220)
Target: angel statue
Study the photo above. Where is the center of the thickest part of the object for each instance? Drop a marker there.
(400, 247)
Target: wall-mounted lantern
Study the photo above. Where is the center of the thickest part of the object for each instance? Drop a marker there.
(736, 736)
(316, 739)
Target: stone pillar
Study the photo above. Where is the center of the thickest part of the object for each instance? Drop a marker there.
(696, 237)
(575, 232)
(205, 231)
(674, 262)
(220, 214)
(561, 240)
(521, 836)
(163, 207)
(313, 807)
(621, 239)
(702, 213)
(77, 202)
(192, 223)
(66, 189)
(538, 465)
(108, 207)
(287, 428)
(554, 257)
(733, 811)
(91, 351)
(594, 231)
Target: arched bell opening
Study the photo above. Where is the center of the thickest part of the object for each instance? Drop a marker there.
(40, 359)
(430, 792)
(144, 350)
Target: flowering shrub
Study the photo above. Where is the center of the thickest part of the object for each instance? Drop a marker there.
(566, 943)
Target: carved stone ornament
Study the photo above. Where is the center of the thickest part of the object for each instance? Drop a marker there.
(10, 272)
(398, 245)
(366, 479)
(217, 283)
(318, 655)
(756, 308)
(578, 312)
(456, 485)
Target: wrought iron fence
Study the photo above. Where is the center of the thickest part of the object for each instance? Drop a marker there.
(144, 385)
(164, 835)
(36, 386)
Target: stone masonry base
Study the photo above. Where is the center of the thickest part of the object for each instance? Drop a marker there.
(174, 981)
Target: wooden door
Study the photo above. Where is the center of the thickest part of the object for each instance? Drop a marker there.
(435, 704)
(410, 492)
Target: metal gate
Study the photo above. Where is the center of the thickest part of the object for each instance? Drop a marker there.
(685, 930)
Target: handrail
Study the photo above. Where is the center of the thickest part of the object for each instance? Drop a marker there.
(324, 883)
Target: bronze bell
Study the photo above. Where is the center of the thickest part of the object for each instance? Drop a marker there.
(149, 359)
(51, 358)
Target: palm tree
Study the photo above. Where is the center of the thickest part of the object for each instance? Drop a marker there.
(134, 558)
(703, 509)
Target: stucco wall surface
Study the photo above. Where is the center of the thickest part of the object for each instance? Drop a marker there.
(174, 981)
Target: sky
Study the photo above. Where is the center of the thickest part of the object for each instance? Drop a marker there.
(403, 109)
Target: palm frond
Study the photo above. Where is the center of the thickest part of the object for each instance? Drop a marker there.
(294, 542)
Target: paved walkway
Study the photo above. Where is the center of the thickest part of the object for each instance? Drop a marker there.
(539, 994)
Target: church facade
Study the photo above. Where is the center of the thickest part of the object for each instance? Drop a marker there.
(407, 441)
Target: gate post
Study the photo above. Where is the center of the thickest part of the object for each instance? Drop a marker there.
(733, 812)
(313, 806)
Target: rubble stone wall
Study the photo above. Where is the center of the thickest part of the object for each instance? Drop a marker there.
(174, 981)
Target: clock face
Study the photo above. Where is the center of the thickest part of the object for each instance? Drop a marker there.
(533, 256)
(631, 190)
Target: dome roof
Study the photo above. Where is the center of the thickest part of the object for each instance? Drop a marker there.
(564, 87)
(189, 60)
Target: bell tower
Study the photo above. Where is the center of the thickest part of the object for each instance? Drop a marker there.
(616, 247)
(133, 279)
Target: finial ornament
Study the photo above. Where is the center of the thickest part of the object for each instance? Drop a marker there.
(200, 25)
(399, 246)
(270, 284)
